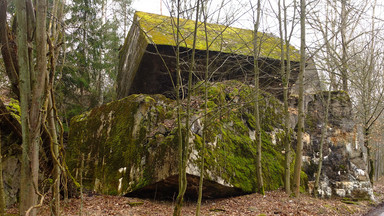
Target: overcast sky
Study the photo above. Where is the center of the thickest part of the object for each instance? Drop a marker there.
(238, 8)
(151, 6)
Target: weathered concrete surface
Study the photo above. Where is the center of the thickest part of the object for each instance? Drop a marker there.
(131, 144)
(345, 171)
(11, 151)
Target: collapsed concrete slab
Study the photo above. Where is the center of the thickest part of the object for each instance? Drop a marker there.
(130, 145)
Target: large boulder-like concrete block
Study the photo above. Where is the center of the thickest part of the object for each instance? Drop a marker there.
(130, 146)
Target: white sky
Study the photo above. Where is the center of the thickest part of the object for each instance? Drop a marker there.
(235, 7)
(150, 6)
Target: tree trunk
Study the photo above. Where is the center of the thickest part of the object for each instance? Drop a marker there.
(100, 81)
(56, 168)
(377, 162)
(322, 140)
(285, 73)
(344, 66)
(2, 194)
(300, 130)
(54, 29)
(256, 52)
(8, 50)
(185, 147)
(81, 184)
(32, 89)
(371, 167)
(205, 120)
(27, 194)
(180, 196)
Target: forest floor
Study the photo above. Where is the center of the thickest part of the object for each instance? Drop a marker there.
(273, 203)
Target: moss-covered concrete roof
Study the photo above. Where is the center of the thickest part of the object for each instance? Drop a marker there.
(161, 30)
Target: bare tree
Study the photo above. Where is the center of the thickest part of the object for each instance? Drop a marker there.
(328, 67)
(367, 85)
(300, 128)
(285, 71)
(182, 182)
(256, 55)
(205, 120)
(184, 147)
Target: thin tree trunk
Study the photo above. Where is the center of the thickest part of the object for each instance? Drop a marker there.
(81, 184)
(256, 51)
(332, 13)
(185, 147)
(377, 162)
(370, 85)
(55, 30)
(371, 167)
(101, 73)
(38, 88)
(322, 140)
(202, 151)
(180, 196)
(344, 66)
(380, 169)
(51, 25)
(125, 16)
(285, 72)
(2, 194)
(300, 130)
(332, 86)
(56, 170)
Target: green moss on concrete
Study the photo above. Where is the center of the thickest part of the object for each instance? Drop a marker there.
(273, 165)
(233, 155)
(160, 30)
(115, 136)
(139, 133)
